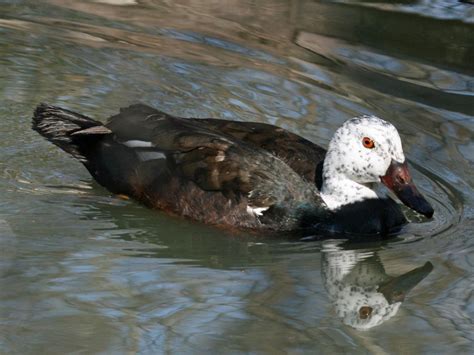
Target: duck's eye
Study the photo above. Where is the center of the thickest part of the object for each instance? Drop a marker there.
(368, 143)
(365, 312)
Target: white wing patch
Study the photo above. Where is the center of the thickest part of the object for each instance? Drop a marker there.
(256, 211)
(137, 144)
(145, 156)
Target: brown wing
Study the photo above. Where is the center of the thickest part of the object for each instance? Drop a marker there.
(217, 157)
(300, 154)
(219, 162)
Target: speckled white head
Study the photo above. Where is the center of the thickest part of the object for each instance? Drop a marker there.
(359, 153)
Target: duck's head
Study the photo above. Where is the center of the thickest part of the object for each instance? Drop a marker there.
(363, 151)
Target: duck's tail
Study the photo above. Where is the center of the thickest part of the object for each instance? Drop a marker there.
(72, 132)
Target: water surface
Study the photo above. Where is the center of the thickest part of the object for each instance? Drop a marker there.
(84, 271)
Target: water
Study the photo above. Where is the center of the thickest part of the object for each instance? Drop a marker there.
(82, 271)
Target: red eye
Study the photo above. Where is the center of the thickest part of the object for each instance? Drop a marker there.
(368, 143)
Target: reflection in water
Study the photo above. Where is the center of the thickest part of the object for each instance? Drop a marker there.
(364, 296)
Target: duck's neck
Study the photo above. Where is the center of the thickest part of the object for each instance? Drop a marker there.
(338, 190)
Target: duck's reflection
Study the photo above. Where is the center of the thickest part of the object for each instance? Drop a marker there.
(364, 296)
(362, 293)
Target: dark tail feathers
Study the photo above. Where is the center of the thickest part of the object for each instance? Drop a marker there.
(66, 129)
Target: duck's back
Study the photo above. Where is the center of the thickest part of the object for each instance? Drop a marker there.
(302, 155)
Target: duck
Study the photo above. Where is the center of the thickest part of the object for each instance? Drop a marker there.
(244, 175)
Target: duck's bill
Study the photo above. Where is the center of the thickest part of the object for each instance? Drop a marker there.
(398, 179)
(396, 289)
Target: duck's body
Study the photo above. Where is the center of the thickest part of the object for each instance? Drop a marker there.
(246, 175)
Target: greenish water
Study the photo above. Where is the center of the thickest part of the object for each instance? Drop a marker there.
(82, 271)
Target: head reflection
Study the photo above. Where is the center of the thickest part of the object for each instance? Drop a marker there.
(363, 295)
